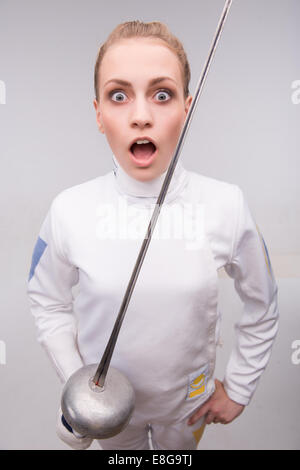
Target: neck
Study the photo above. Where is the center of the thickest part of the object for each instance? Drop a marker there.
(148, 191)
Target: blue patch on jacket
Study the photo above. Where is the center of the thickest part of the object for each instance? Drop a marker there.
(39, 249)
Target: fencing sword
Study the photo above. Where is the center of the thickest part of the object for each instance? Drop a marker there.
(98, 400)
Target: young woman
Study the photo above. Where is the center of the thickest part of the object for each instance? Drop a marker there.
(92, 236)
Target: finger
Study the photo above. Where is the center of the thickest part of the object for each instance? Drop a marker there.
(209, 418)
(199, 413)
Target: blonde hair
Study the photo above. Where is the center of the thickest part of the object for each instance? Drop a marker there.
(154, 29)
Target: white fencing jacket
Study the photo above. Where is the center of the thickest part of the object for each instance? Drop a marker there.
(167, 344)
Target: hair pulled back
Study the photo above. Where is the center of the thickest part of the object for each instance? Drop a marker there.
(138, 29)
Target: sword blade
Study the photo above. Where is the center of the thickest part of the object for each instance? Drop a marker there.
(101, 372)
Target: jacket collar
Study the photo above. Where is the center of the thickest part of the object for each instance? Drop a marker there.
(148, 191)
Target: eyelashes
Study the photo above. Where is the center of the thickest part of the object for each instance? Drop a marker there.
(120, 96)
(168, 92)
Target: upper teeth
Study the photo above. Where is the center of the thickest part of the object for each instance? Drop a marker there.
(142, 142)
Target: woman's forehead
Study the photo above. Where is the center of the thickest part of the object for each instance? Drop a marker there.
(140, 57)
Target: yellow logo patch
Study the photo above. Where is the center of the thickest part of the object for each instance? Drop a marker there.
(197, 383)
(198, 386)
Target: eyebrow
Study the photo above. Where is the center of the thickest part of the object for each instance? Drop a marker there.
(152, 82)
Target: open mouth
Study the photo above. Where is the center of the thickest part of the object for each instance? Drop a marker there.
(143, 151)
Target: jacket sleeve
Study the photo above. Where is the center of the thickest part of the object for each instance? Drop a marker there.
(251, 269)
(50, 284)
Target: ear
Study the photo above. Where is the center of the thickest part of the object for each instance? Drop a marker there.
(188, 103)
(98, 116)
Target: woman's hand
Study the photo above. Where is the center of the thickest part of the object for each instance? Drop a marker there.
(219, 408)
(69, 436)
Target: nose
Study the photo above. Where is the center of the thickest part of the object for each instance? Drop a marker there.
(141, 115)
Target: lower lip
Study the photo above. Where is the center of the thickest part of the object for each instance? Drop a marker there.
(143, 162)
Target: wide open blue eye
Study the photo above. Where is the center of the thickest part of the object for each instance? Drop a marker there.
(118, 96)
(163, 95)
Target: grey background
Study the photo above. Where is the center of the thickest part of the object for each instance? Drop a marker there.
(245, 131)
